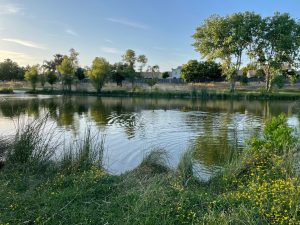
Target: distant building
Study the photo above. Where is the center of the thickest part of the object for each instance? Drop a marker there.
(176, 73)
(251, 73)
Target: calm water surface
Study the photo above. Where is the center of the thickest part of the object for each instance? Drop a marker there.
(134, 126)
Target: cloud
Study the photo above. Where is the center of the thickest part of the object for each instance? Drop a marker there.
(108, 41)
(16, 56)
(71, 32)
(110, 50)
(128, 23)
(25, 43)
(10, 9)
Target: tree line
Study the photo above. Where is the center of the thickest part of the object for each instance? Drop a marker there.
(66, 69)
(268, 43)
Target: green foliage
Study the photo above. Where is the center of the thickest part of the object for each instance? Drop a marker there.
(80, 73)
(195, 71)
(53, 64)
(154, 70)
(279, 81)
(119, 73)
(226, 38)
(244, 79)
(142, 59)
(185, 167)
(32, 76)
(43, 79)
(99, 72)
(29, 148)
(265, 175)
(271, 50)
(10, 70)
(129, 57)
(165, 75)
(66, 69)
(51, 77)
(292, 75)
(6, 91)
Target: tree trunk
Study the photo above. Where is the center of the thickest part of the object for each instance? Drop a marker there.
(232, 84)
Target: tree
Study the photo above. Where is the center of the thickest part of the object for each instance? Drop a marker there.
(153, 80)
(278, 43)
(80, 73)
(190, 71)
(66, 70)
(226, 39)
(32, 76)
(51, 77)
(10, 70)
(42, 79)
(74, 58)
(99, 72)
(195, 71)
(165, 75)
(118, 73)
(53, 64)
(129, 57)
(142, 59)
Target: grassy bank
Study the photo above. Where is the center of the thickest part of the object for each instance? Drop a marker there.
(194, 94)
(260, 186)
(6, 91)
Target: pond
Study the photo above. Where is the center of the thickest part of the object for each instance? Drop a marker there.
(131, 127)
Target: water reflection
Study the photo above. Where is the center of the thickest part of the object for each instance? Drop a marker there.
(216, 128)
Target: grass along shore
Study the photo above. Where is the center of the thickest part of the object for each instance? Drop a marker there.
(217, 90)
(194, 94)
(259, 186)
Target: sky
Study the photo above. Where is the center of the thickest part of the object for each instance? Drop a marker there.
(34, 30)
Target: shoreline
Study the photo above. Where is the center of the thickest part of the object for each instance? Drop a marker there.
(194, 94)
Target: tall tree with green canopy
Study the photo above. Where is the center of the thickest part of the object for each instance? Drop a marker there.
(51, 78)
(278, 43)
(32, 76)
(119, 73)
(99, 72)
(153, 70)
(129, 57)
(142, 60)
(10, 70)
(67, 72)
(74, 58)
(226, 39)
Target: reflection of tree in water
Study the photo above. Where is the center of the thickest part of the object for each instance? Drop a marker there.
(99, 113)
(32, 108)
(12, 108)
(131, 122)
(66, 112)
(218, 143)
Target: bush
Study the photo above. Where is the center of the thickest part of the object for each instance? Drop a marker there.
(6, 91)
(244, 80)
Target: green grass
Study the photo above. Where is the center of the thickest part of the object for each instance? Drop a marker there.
(260, 186)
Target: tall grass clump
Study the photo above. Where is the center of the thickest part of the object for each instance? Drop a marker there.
(33, 145)
(155, 162)
(185, 167)
(85, 154)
